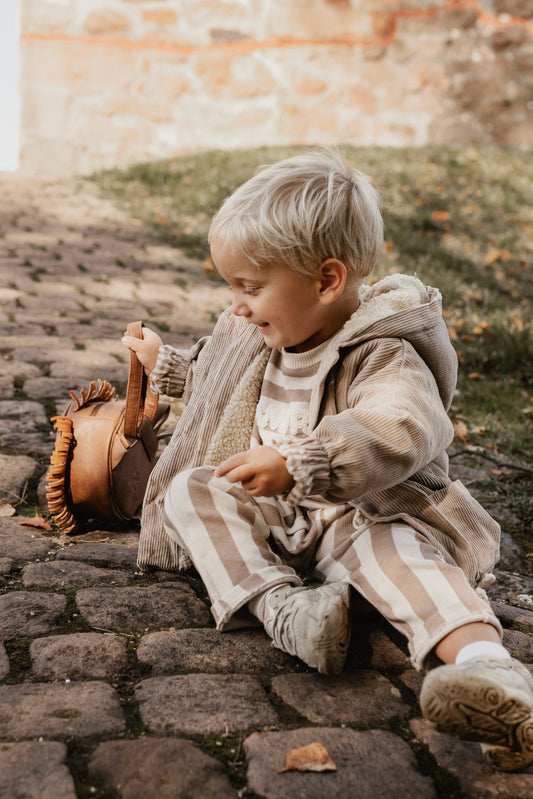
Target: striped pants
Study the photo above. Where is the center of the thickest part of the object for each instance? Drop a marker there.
(241, 546)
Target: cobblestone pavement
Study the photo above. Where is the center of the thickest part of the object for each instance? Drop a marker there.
(115, 683)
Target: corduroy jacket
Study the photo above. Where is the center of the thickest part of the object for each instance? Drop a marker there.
(378, 420)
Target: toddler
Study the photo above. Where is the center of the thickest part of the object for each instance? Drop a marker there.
(310, 459)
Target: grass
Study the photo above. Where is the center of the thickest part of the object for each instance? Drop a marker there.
(459, 218)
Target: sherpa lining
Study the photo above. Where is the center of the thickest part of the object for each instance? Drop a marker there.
(390, 295)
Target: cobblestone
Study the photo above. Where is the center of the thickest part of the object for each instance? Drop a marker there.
(204, 704)
(89, 656)
(152, 767)
(30, 613)
(207, 651)
(35, 770)
(142, 608)
(369, 765)
(56, 710)
(114, 682)
(359, 697)
(71, 574)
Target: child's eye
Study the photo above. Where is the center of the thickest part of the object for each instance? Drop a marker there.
(251, 290)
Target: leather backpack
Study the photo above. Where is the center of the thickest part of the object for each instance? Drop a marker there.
(105, 450)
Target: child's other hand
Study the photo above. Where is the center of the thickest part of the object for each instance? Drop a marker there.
(146, 348)
(261, 470)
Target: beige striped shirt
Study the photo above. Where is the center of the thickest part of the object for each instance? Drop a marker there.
(282, 412)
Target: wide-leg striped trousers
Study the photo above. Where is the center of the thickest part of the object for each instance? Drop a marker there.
(241, 546)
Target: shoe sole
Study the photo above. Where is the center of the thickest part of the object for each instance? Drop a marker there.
(476, 708)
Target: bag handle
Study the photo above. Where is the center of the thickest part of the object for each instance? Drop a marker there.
(140, 399)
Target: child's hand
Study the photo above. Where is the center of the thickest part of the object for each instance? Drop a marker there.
(261, 470)
(146, 348)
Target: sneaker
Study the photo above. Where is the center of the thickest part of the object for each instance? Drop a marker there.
(489, 700)
(312, 623)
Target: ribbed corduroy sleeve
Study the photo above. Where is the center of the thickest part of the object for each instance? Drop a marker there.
(396, 426)
(174, 370)
(308, 466)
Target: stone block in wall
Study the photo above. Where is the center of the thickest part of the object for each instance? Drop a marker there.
(309, 84)
(523, 60)
(46, 110)
(159, 17)
(45, 18)
(225, 73)
(140, 106)
(510, 36)
(80, 67)
(383, 24)
(358, 98)
(512, 129)
(106, 22)
(515, 8)
(317, 20)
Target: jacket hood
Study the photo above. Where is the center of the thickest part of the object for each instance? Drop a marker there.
(401, 306)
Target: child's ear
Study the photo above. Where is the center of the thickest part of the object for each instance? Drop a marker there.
(332, 276)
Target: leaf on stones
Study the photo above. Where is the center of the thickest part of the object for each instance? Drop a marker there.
(497, 255)
(209, 267)
(461, 430)
(313, 757)
(6, 509)
(37, 521)
(440, 216)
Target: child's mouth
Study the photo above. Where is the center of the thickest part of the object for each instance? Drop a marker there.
(263, 326)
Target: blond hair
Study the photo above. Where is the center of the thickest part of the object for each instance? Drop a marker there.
(302, 211)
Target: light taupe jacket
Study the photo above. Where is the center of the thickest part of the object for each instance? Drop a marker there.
(378, 417)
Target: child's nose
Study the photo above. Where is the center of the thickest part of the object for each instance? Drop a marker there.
(239, 308)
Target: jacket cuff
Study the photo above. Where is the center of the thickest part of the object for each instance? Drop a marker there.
(170, 372)
(309, 467)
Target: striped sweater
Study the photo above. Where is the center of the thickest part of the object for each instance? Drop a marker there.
(378, 422)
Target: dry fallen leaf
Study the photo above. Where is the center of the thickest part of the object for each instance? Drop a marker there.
(440, 216)
(497, 255)
(461, 431)
(313, 757)
(37, 521)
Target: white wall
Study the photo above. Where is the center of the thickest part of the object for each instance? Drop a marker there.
(9, 85)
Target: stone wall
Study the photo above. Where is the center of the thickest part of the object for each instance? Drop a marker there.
(111, 82)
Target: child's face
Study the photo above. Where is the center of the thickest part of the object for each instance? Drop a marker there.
(283, 304)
